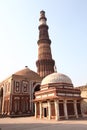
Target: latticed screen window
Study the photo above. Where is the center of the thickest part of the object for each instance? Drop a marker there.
(25, 86)
(17, 87)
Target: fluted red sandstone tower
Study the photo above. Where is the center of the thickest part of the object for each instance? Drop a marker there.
(45, 63)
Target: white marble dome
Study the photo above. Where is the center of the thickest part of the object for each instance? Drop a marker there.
(56, 78)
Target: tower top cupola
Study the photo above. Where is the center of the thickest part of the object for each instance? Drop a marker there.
(42, 19)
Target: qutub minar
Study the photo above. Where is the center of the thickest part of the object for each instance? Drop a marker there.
(45, 63)
(45, 94)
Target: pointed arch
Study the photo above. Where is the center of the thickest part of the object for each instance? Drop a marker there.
(36, 87)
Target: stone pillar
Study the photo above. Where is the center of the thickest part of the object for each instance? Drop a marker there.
(65, 109)
(40, 109)
(49, 110)
(30, 86)
(8, 106)
(75, 108)
(0, 105)
(81, 104)
(11, 109)
(35, 109)
(57, 109)
(3, 102)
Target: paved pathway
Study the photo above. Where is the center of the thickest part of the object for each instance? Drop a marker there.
(30, 123)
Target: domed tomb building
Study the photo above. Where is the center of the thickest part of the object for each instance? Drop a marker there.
(57, 98)
(17, 93)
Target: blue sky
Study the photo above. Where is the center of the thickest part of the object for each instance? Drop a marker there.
(67, 21)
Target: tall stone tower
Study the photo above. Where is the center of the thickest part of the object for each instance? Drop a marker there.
(45, 63)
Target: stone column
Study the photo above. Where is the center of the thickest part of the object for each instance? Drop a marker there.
(40, 109)
(3, 101)
(81, 104)
(0, 105)
(35, 109)
(49, 110)
(65, 109)
(75, 108)
(57, 109)
(30, 86)
(8, 107)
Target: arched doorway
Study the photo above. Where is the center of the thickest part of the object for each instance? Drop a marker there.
(36, 88)
(1, 99)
